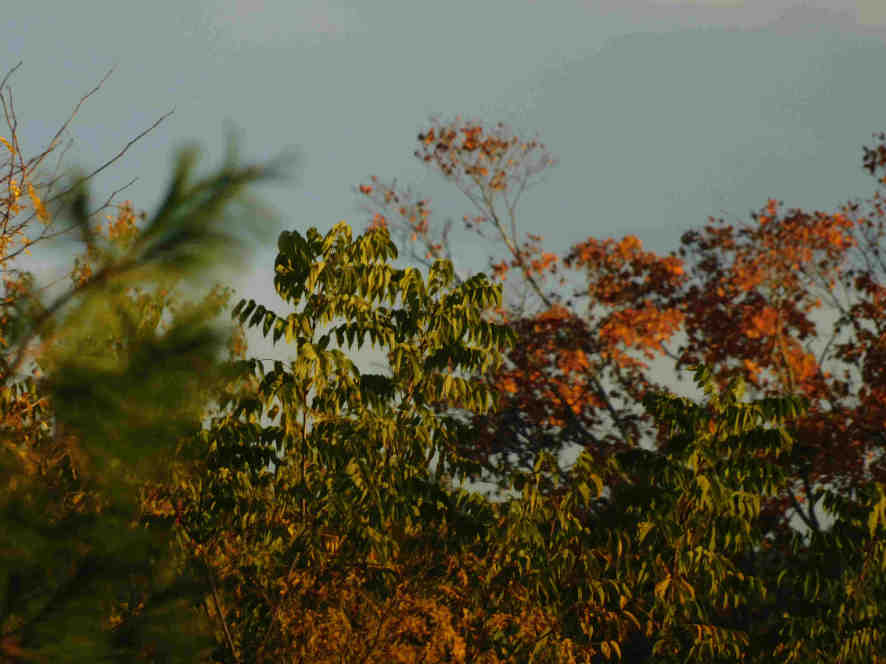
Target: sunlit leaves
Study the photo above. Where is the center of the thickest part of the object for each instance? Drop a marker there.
(754, 290)
(632, 552)
(489, 158)
(39, 208)
(357, 446)
(321, 503)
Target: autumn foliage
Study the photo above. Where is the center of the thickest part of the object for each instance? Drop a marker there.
(742, 298)
(166, 501)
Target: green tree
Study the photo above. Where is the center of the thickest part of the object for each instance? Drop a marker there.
(355, 499)
(354, 547)
(118, 393)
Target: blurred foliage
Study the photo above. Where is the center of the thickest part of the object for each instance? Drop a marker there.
(114, 389)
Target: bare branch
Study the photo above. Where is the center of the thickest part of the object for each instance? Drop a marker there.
(67, 122)
(9, 74)
(114, 158)
(18, 165)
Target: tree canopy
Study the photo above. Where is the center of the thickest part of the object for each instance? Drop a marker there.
(164, 500)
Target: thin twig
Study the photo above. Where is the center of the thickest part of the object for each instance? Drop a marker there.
(25, 168)
(114, 158)
(220, 614)
(52, 143)
(8, 74)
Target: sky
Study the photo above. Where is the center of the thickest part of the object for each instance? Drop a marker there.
(660, 112)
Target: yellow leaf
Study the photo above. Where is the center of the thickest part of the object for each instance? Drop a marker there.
(599, 483)
(6, 143)
(643, 529)
(662, 587)
(38, 204)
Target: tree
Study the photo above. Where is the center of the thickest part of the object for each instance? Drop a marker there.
(306, 558)
(33, 193)
(352, 547)
(557, 381)
(309, 511)
(743, 300)
(781, 269)
(341, 553)
(116, 393)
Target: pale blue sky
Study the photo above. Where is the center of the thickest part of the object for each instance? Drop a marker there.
(660, 112)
